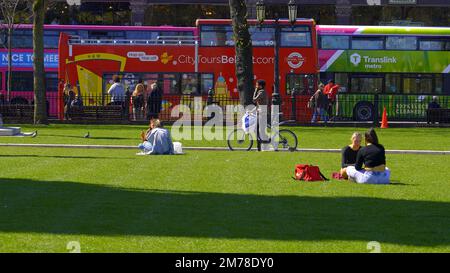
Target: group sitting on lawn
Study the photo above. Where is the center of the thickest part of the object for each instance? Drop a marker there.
(372, 156)
(156, 140)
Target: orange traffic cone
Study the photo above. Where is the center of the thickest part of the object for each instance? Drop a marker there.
(384, 120)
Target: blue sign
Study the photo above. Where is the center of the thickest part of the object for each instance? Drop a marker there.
(25, 59)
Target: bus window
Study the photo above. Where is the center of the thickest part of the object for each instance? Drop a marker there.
(342, 80)
(51, 41)
(367, 84)
(96, 34)
(84, 34)
(401, 43)
(370, 43)
(303, 84)
(189, 84)
(216, 36)
(141, 35)
(217, 39)
(22, 81)
(51, 81)
(51, 37)
(22, 38)
(206, 82)
(262, 36)
(417, 84)
(298, 37)
(393, 83)
(334, 42)
(2, 38)
(431, 45)
(170, 84)
(438, 84)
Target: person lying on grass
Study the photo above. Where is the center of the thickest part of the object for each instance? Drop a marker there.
(349, 153)
(156, 140)
(374, 159)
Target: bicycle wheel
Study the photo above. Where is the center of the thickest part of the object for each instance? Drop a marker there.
(238, 140)
(285, 140)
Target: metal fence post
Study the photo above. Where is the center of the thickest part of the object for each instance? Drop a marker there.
(375, 113)
(294, 102)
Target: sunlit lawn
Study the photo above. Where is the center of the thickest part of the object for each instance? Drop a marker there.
(204, 201)
(309, 137)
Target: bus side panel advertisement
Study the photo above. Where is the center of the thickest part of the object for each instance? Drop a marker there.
(385, 61)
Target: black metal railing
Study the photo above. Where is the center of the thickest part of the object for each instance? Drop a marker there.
(347, 107)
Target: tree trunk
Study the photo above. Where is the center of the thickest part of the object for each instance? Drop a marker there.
(40, 104)
(243, 48)
(8, 92)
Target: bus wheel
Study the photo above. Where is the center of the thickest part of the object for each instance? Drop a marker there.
(363, 111)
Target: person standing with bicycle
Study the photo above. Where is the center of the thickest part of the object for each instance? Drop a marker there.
(261, 102)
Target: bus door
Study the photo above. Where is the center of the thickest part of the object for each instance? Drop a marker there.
(304, 86)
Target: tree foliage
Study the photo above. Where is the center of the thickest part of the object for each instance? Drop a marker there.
(10, 10)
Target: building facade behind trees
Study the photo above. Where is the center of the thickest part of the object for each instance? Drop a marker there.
(184, 13)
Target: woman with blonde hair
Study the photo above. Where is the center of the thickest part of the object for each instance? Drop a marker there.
(138, 99)
(349, 153)
(370, 166)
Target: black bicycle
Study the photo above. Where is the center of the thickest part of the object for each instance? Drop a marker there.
(281, 140)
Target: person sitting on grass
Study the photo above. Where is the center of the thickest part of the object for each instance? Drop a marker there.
(349, 153)
(156, 140)
(374, 159)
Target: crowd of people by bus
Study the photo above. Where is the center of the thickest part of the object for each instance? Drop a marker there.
(323, 101)
(139, 101)
(120, 96)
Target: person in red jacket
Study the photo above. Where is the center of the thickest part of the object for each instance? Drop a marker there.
(331, 90)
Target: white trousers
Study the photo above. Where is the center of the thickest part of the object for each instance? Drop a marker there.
(368, 177)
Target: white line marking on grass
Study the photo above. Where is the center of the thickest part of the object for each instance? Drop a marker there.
(128, 147)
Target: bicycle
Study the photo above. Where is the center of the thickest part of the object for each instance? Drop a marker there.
(282, 140)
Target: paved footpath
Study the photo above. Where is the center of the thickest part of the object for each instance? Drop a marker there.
(313, 150)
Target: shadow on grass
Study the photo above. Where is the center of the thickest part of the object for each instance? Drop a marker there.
(77, 208)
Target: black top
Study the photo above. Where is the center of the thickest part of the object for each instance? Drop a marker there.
(320, 99)
(371, 155)
(433, 105)
(349, 156)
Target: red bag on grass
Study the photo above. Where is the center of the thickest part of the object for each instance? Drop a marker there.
(308, 173)
(337, 176)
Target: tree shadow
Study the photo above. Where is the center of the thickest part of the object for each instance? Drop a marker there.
(75, 208)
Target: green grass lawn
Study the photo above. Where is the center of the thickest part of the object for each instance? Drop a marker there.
(115, 201)
(309, 137)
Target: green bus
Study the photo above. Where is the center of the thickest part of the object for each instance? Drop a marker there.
(400, 68)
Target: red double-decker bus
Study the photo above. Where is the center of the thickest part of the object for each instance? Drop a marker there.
(298, 65)
(22, 54)
(190, 66)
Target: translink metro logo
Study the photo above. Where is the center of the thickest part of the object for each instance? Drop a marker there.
(355, 59)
